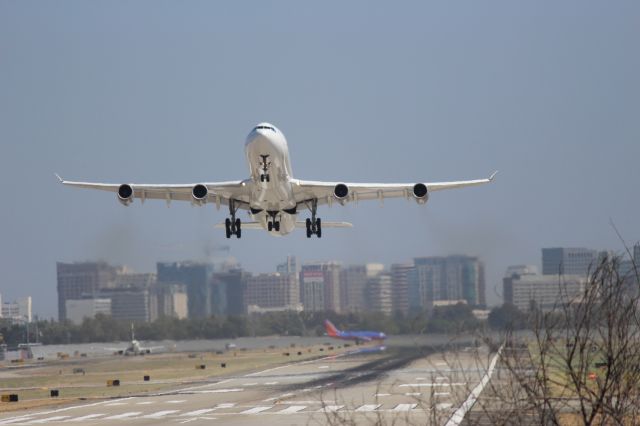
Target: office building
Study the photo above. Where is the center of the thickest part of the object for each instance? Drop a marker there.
(515, 271)
(75, 280)
(273, 290)
(378, 293)
(568, 261)
(546, 292)
(171, 299)
(197, 279)
(400, 287)
(228, 292)
(446, 278)
(18, 312)
(320, 286)
(78, 310)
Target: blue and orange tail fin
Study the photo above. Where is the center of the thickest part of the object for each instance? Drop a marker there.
(331, 329)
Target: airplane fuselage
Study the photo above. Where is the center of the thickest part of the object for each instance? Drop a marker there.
(270, 179)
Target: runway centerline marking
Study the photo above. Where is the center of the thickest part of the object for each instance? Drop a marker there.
(145, 403)
(176, 401)
(256, 410)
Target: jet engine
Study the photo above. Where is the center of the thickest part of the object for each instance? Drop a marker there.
(341, 191)
(125, 194)
(199, 194)
(420, 193)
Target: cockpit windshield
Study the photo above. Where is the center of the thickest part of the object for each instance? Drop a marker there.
(265, 128)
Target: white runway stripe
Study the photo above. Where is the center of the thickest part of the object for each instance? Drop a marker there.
(87, 417)
(159, 414)
(443, 405)
(226, 405)
(176, 401)
(123, 415)
(292, 409)
(115, 404)
(145, 403)
(197, 412)
(16, 420)
(49, 419)
(368, 407)
(256, 410)
(417, 385)
(330, 408)
(405, 407)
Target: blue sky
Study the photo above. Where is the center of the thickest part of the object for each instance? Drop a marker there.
(165, 92)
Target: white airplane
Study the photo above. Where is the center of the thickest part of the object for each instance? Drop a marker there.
(271, 195)
(134, 348)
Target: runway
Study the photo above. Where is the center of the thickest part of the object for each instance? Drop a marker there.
(406, 387)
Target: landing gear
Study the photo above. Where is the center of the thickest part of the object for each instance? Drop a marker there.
(314, 225)
(273, 224)
(264, 177)
(233, 225)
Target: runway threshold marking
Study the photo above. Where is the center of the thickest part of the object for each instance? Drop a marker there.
(123, 415)
(159, 414)
(292, 409)
(256, 410)
(368, 407)
(405, 407)
(457, 417)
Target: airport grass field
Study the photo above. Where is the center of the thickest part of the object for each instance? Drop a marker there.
(87, 378)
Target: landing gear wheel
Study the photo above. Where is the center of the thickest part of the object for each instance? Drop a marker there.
(264, 178)
(269, 226)
(318, 228)
(238, 228)
(276, 226)
(227, 227)
(308, 223)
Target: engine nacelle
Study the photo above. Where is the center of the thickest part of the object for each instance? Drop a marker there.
(420, 193)
(125, 194)
(341, 191)
(199, 194)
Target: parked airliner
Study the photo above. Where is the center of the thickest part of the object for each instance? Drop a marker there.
(271, 196)
(357, 336)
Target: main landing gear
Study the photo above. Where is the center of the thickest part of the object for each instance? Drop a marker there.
(273, 224)
(264, 177)
(233, 225)
(314, 225)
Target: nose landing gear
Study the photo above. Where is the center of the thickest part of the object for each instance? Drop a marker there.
(264, 177)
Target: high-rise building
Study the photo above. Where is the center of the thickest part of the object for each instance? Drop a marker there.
(378, 293)
(171, 299)
(274, 290)
(197, 279)
(400, 287)
(131, 303)
(353, 282)
(229, 292)
(320, 286)
(76, 280)
(290, 266)
(568, 261)
(446, 278)
(78, 310)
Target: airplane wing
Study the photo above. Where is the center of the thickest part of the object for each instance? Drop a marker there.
(217, 192)
(327, 192)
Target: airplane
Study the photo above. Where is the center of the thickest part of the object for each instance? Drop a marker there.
(271, 196)
(134, 348)
(357, 336)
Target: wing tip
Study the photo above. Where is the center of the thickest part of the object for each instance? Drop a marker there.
(59, 178)
(493, 175)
